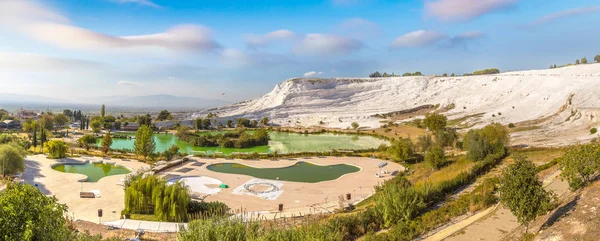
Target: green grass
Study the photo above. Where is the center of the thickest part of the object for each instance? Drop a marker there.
(523, 128)
(458, 122)
(460, 164)
(144, 217)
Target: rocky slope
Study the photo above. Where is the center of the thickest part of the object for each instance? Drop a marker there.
(553, 101)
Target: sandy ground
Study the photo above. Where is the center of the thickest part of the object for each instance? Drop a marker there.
(297, 197)
(66, 188)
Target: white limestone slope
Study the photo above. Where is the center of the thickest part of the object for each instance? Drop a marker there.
(519, 96)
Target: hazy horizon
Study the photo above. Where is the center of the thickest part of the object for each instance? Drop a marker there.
(233, 51)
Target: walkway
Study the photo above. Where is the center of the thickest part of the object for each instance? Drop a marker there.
(497, 224)
(145, 225)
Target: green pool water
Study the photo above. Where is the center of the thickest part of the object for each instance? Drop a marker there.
(280, 142)
(94, 172)
(299, 172)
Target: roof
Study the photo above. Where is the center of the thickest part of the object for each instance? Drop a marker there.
(8, 122)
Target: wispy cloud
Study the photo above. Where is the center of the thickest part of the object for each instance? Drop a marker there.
(546, 19)
(419, 38)
(312, 73)
(55, 29)
(464, 10)
(254, 41)
(327, 44)
(424, 38)
(359, 28)
(32, 62)
(128, 84)
(140, 2)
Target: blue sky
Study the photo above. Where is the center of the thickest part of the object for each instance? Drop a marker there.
(80, 50)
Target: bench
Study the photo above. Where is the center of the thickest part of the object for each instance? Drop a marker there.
(87, 195)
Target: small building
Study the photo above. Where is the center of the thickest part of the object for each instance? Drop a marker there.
(12, 124)
(24, 114)
(130, 126)
(164, 125)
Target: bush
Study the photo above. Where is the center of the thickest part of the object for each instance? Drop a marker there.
(13, 159)
(434, 157)
(511, 125)
(56, 149)
(593, 130)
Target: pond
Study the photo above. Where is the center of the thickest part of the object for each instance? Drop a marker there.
(94, 172)
(280, 142)
(299, 172)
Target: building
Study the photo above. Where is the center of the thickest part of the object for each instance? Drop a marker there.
(12, 124)
(130, 126)
(24, 114)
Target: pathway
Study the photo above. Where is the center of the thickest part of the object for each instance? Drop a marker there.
(482, 226)
(146, 225)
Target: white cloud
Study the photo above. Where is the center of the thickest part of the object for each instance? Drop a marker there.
(359, 28)
(254, 41)
(419, 38)
(464, 10)
(312, 73)
(327, 44)
(141, 2)
(52, 28)
(128, 84)
(559, 15)
(31, 62)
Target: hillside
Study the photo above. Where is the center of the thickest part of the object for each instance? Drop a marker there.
(561, 102)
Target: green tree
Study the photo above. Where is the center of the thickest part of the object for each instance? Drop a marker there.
(96, 125)
(164, 115)
(401, 149)
(584, 60)
(107, 141)
(144, 120)
(61, 120)
(28, 214)
(577, 62)
(452, 75)
(424, 142)
(434, 157)
(68, 113)
(242, 122)
(152, 194)
(398, 201)
(102, 111)
(522, 192)
(171, 152)
(354, 125)
(435, 121)
(491, 139)
(86, 141)
(56, 149)
(597, 58)
(579, 164)
(144, 144)
(12, 159)
(264, 121)
(229, 124)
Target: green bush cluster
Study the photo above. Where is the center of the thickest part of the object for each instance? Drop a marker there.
(237, 139)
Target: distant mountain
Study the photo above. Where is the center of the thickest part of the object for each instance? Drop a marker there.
(20, 98)
(162, 101)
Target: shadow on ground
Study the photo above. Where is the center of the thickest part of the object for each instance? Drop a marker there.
(560, 212)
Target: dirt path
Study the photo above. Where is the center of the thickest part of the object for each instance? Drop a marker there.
(498, 223)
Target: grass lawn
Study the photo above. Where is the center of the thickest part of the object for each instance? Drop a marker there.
(425, 174)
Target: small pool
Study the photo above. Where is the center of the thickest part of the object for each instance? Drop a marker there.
(94, 172)
(299, 172)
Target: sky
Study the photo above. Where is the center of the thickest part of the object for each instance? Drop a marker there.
(240, 49)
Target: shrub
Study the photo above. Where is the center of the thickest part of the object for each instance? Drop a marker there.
(511, 125)
(434, 157)
(56, 149)
(593, 130)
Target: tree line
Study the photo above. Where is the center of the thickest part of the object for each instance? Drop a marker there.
(583, 60)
